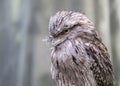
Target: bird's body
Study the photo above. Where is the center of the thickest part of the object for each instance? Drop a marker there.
(79, 58)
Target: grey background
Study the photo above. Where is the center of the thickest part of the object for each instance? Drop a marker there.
(25, 58)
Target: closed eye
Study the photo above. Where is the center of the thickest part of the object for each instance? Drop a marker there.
(67, 30)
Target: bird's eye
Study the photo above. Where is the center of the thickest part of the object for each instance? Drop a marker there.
(65, 31)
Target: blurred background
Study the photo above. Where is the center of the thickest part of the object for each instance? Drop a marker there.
(25, 58)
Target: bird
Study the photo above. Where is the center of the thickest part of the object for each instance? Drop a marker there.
(78, 56)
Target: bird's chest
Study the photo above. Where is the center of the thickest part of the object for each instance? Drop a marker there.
(64, 54)
(71, 64)
(69, 57)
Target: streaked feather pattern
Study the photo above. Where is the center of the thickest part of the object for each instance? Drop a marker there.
(79, 58)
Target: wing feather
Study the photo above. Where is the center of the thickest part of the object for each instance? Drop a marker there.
(101, 65)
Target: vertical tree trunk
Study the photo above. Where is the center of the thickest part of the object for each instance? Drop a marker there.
(115, 30)
(91, 11)
(22, 63)
(117, 39)
(8, 46)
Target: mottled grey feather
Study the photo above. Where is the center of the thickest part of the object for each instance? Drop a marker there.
(79, 58)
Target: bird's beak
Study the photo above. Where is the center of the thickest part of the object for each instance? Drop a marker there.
(56, 42)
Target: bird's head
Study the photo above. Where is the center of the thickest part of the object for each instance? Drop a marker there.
(65, 25)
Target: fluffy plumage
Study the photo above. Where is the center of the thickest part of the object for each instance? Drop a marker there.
(79, 58)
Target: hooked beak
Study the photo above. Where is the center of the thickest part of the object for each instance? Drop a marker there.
(56, 42)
